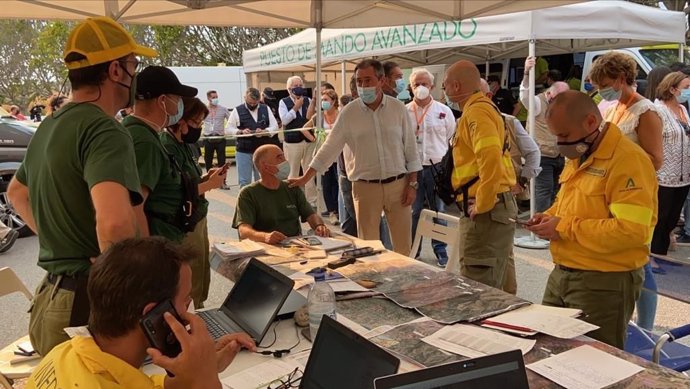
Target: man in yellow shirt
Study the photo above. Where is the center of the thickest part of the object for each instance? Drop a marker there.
(602, 221)
(126, 282)
(484, 173)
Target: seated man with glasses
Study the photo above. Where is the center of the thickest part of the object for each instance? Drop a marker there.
(127, 282)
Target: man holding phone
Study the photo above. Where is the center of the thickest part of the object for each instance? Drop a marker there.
(126, 283)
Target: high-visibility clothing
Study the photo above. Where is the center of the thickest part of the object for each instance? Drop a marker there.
(607, 206)
(478, 151)
(80, 363)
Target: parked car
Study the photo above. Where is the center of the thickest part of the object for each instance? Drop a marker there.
(14, 139)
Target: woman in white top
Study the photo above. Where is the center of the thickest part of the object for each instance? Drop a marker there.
(614, 75)
(674, 175)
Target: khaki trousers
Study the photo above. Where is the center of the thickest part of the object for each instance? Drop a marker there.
(487, 243)
(607, 299)
(371, 199)
(197, 243)
(51, 310)
(300, 155)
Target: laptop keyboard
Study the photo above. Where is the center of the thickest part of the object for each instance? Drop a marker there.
(213, 326)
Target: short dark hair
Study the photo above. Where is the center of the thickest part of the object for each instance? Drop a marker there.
(128, 276)
(90, 75)
(493, 78)
(388, 67)
(327, 85)
(654, 79)
(353, 86)
(209, 93)
(555, 75)
(253, 93)
(371, 63)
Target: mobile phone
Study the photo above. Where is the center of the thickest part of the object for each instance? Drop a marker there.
(312, 240)
(524, 223)
(225, 167)
(157, 330)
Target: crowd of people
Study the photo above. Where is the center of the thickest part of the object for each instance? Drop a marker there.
(608, 185)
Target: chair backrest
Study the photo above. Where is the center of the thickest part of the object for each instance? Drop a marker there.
(10, 283)
(428, 228)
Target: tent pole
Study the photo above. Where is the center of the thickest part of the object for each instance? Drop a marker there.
(320, 203)
(343, 75)
(531, 241)
(681, 52)
(486, 69)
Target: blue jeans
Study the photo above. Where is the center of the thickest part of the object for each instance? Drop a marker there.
(546, 184)
(329, 185)
(348, 221)
(425, 193)
(646, 304)
(245, 169)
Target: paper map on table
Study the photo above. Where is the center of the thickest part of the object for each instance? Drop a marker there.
(439, 295)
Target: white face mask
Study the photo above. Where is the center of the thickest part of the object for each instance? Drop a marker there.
(421, 92)
(283, 171)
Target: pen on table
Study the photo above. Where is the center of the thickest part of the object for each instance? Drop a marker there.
(507, 326)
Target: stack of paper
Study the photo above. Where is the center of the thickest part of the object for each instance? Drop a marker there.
(235, 250)
(557, 322)
(262, 375)
(326, 244)
(472, 341)
(585, 368)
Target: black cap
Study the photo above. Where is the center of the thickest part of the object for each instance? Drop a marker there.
(268, 93)
(159, 80)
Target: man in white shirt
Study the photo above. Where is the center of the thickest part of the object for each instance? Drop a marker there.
(214, 126)
(552, 162)
(380, 134)
(434, 127)
(254, 125)
(298, 145)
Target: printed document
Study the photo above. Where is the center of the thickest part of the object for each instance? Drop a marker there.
(559, 326)
(472, 341)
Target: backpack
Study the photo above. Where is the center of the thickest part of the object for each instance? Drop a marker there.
(443, 175)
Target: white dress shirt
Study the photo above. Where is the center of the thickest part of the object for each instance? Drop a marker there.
(382, 142)
(288, 115)
(528, 149)
(214, 124)
(234, 121)
(435, 126)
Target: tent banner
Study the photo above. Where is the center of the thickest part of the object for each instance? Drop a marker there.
(343, 44)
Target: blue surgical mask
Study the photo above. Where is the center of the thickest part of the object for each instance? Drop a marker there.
(589, 86)
(325, 105)
(684, 96)
(173, 119)
(298, 91)
(283, 171)
(367, 94)
(609, 94)
(399, 85)
(214, 101)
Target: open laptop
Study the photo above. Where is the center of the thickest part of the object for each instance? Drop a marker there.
(504, 370)
(342, 359)
(252, 304)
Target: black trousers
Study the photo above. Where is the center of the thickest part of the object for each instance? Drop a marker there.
(671, 201)
(217, 146)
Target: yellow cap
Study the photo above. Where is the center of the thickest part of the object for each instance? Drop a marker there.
(100, 40)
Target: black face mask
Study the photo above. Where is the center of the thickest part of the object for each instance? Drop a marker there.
(192, 136)
(132, 87)
(251, 107)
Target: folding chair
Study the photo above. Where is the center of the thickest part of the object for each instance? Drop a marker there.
(426, 227)
(10, 283)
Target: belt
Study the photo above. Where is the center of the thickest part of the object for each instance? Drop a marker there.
(571, 270)
(66, 282)
(386, 180)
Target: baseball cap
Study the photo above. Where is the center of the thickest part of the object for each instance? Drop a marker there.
(101, 40)
(154, 81)
(268, 93)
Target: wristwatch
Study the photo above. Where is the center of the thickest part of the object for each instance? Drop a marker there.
(413, 184)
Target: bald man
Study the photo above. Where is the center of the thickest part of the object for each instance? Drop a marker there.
(602, 221)
(268, 210)
(546, 184)
(484, 176)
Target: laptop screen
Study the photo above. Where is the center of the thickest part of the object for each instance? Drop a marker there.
(256, 298)
(342, 359)
(504, 370)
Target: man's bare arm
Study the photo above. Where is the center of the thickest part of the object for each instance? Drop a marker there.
(115, 220)
(19, 197)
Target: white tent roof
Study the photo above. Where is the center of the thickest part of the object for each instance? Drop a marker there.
(570, 28)
(269, 13)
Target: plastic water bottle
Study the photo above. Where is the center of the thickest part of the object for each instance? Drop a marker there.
(321, 301)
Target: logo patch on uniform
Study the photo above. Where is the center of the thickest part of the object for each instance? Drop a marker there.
(630, 185)
(595, 171)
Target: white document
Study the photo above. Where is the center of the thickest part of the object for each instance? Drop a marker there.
(585, 368)
(472, 341)
(559, 311)
(557, 325)
(262, 375)
(235, 250)
(301, 280)
(345, 285)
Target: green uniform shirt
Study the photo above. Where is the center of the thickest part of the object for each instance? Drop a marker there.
(73, 150)
(270, 210)
(184, 157)
(156, 173)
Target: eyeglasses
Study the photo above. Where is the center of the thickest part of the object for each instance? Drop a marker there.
(290, 381)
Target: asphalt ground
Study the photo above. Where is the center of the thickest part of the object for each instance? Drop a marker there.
(533, 267)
